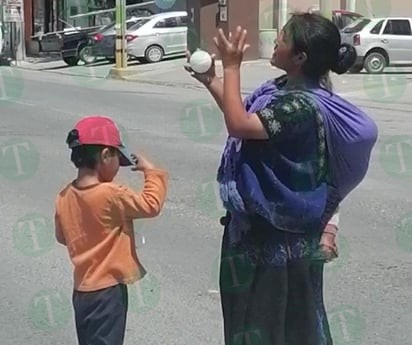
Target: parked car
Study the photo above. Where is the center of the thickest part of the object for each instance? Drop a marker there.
(68, 43)
(380, 43)
(102, 44)
(340, 18)
(162, 35)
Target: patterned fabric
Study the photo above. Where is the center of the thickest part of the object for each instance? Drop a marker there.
(281, 179)
(273, 281)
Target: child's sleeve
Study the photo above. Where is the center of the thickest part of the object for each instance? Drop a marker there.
(58, 229)
(149, 202)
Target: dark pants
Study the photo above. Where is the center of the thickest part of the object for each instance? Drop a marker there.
(101, 315)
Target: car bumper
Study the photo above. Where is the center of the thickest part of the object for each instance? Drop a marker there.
(358, 61)
(136, 48)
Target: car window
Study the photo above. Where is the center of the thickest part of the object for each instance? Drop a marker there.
(357, 25)
(398, 27)
(377, 28)
(131, 23)
(348, 19)
(183, 21)
(167, 23)
(138, 24)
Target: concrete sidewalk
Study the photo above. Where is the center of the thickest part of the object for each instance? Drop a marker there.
(253, 73)
(167, 73)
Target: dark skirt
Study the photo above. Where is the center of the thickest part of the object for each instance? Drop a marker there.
(271, 286)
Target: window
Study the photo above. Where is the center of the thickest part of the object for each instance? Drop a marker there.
(356, 26)
(377, 28)
(348, 19)
(183, 21)
(138, 24)
(398, 27)
(167, 23)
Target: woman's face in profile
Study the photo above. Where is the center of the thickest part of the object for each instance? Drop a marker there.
(281, 51)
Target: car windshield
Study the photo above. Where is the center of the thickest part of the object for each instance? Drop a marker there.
(356, 26)
(138, 25)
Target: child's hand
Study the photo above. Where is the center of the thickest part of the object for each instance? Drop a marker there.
(141, 163)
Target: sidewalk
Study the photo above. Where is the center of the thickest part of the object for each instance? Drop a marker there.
(167, 73)
(253, 73)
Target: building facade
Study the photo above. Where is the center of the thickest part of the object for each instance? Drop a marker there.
(269, 14)
(42, 16)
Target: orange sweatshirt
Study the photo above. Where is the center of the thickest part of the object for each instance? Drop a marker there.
(96, 225)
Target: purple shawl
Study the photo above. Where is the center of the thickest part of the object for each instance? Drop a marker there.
(247, 189)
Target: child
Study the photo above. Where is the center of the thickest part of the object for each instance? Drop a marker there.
(94, 219)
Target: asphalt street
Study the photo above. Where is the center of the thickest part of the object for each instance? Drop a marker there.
(367, 290)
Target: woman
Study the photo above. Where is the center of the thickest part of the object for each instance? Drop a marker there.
(277, 186)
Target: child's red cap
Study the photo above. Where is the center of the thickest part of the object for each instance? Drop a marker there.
(100, 130)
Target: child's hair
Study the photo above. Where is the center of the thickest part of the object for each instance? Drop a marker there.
(87, 156)
(319, 39)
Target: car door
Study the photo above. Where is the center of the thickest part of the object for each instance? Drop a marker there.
(397, 38)
(182, 24)
(173, 35)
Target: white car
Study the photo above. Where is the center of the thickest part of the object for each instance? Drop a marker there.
(158, 36)
(380, 43)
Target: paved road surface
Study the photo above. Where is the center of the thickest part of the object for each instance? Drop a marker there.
(367, 291)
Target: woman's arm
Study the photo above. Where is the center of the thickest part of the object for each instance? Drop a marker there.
(333, 224)
(215, 87)
(239, 122)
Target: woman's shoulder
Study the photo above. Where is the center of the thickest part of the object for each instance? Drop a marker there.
(294, 102)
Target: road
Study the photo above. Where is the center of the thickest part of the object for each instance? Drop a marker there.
(367, 290)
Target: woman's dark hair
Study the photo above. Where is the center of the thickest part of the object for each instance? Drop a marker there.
(319, 39)
(85, 156)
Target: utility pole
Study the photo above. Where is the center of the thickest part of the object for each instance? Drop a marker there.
(121, 53)
(119, 71)
(326, 8)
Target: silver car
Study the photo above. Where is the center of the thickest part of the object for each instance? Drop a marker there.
(158, 36)
(380, 43)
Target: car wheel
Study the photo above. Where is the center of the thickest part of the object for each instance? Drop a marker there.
(375, 63)
(71, 60)
(154, 54)
(86, 55)
(355, 69)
